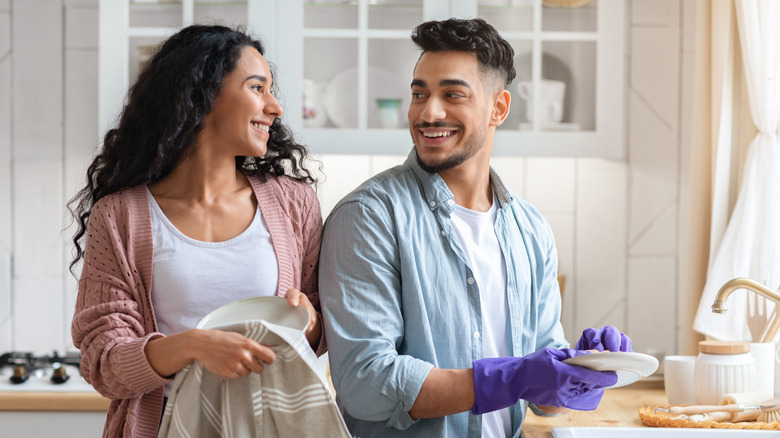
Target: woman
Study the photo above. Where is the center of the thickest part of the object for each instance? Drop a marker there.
(198, 198)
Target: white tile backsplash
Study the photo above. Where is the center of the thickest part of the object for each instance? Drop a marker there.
(5, 153)
(512, 173)
(563, 229)
(655, 74)
(5, 284)
(550, 184)
(92, 3)
(81, 27)
(660, 237)
(6, 344)
(656, 12)
(70, 291)
(40, 300)
(653, 156)
(37, 214)
(343, 174)
(81, 103)
(651, 303)
(380, 163)
(601, 241)
(5, 34)
(37, 70)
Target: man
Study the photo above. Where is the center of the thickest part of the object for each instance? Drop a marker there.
(439, 286)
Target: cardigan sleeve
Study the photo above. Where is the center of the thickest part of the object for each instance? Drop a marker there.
(109, 321)
(311, 238)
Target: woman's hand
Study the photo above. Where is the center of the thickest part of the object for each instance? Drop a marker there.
(314, 328)
(232, 355)
(226, 354)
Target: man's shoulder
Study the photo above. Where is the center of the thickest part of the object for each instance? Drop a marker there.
(393, 184)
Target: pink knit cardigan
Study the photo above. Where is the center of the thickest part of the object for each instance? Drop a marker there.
(114, 318)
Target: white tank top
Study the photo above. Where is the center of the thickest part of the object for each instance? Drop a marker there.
(191, 278)
(477, 235)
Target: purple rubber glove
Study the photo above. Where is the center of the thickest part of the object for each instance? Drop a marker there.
(540, 378)
(607, 338)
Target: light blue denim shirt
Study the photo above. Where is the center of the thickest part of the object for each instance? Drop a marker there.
(399, 298)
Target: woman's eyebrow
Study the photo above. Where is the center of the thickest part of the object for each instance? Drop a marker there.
(260, 78)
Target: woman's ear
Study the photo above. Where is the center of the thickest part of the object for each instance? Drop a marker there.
(500, 107)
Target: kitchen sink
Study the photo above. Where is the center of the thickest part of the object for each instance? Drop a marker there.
(661, 432)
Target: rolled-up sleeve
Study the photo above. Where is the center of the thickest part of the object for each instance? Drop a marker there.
(360, 293)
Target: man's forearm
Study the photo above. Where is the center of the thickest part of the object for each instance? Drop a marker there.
(444, 392)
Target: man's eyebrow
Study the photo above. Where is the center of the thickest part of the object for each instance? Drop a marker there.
(442, 83)
(260, 78)
(452, 82)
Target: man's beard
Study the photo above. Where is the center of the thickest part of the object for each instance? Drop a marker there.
(455, 160)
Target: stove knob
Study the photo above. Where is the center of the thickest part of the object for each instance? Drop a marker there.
(59, 376)
(20, 375)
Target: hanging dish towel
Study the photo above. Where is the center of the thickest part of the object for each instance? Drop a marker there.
(290, 398)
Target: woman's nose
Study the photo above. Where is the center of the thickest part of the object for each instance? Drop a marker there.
(273, 107)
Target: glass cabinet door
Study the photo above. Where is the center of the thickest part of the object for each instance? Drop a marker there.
(555, 59)
(344, 66)
(356, 55)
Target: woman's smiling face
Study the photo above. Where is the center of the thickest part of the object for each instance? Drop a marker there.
(244, 109)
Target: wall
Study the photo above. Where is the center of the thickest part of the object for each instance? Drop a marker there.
(615, 222)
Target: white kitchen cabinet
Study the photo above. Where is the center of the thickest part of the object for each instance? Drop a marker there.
(344, 67)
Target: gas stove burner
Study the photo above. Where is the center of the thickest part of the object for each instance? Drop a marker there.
(20, 375)
(30, 372)
(60, 375)
(24, 364)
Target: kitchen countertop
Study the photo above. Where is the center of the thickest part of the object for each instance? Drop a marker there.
(618, 408)
(52, 401)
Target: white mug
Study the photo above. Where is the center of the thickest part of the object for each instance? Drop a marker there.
(764, 355)
(551, 105)
(678, 379)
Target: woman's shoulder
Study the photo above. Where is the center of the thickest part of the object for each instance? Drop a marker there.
(288, 189)
(121, 201)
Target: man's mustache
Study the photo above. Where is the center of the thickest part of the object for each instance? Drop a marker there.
(435, 125)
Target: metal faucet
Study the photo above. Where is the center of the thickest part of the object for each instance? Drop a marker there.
(719, 306)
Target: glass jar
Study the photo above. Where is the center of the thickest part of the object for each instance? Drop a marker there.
(723, 367)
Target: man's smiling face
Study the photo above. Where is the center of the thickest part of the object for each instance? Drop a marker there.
(450, 109)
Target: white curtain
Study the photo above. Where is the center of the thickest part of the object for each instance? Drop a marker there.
(750, 245)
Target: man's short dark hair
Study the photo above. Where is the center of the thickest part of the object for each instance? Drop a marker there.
(474, 35)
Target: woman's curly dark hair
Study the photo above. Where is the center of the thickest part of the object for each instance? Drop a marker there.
(164, 114)
(474, 35)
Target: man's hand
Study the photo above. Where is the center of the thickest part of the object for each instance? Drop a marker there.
(607, 338)
(541, 378)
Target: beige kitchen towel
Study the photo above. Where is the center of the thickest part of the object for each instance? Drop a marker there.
(290, 398)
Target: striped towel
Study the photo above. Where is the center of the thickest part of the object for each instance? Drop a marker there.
(290, 398)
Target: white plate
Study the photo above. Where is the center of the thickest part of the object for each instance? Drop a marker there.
(629, 366)
(312, 103)
(341, 101)
(272, 309)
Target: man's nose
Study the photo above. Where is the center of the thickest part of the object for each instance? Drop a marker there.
(433, 111)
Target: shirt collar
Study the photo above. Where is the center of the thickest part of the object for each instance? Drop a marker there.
(438, 194)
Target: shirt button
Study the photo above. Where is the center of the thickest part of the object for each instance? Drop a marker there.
(432, 204)
(470, 280)
(476, 335)
(443, 233)
(450, 202)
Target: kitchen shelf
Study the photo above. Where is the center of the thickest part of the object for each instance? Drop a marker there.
(316, 41)
(52, 401)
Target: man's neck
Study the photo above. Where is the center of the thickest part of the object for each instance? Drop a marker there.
(470, 184)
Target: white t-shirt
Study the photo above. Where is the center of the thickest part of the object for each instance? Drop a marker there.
(191, 278)
(477, 235)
